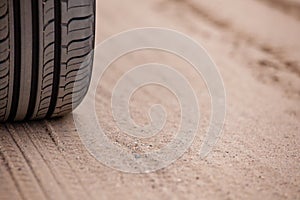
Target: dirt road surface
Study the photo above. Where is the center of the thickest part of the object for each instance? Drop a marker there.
(256, 45)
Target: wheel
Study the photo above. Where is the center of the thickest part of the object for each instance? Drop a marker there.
(46, 57)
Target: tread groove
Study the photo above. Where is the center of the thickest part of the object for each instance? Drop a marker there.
(57, 57)
(35, 58)
(17, 59)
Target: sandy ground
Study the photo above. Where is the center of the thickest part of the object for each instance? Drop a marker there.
(256, 46)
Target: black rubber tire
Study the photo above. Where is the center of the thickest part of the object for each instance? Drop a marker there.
(46, 57)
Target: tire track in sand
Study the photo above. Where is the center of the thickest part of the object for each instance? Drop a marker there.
(18, 166)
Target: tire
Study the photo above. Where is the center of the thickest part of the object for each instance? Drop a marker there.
(46, 57)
